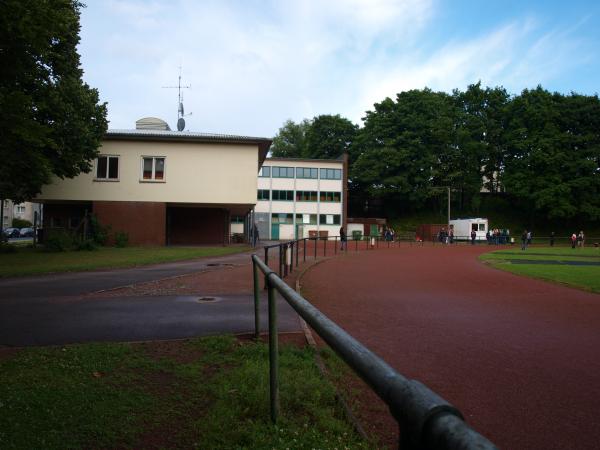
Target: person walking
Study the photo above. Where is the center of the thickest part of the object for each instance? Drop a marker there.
(255, 236)
(473, 237)
(581, 239)
(524, 240)
(573, 240)
(552, 239)
(343, 239)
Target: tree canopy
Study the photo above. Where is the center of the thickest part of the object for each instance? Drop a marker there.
(52, 122)
(539, 150)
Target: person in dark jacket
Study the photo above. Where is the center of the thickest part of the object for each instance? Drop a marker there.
(343, 239)
(524, 240)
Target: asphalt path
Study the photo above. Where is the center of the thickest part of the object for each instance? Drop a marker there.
(55, 309)
(519, 357)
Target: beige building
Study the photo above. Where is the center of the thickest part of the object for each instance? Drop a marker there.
(162, 187)
(23, 211)
(298, 198)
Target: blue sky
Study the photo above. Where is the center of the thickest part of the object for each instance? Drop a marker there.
(254, 64)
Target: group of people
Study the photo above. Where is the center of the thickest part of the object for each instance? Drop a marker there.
(498, 236)
(526, 238)
(446, 236)
(578, 240)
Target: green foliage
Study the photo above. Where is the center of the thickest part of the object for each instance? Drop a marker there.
(85, 245)
(52, 122)
(290, 141)
(98, 232)
(121, 239)
(329, 137)
(58, 241)
(21, 223)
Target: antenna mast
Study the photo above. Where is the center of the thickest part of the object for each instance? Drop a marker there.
(180, 111)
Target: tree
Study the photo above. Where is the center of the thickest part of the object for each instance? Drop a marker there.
(328, 137)
(290, 140)
(52, 122)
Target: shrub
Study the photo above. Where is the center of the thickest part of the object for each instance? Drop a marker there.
(121, 239)
(86, 245)
(98, 232)
(21, 223)
(58, 241)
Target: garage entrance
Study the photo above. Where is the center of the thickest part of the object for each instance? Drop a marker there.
(197, 226)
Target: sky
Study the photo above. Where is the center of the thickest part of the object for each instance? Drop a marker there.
(254, 64)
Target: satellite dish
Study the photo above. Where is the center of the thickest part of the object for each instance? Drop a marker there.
(180, 124)
(181, 108)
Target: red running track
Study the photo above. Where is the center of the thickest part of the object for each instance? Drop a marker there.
(519, 357)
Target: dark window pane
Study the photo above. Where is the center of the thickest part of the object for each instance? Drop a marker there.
(147, 169)
(113, 168)
(322, 219)
(336, 219)
(337, 196)
(159, 168)
(102, 165)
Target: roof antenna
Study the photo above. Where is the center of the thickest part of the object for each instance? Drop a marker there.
(180, 111)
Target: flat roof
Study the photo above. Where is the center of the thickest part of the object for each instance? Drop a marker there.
(189, 136)
(336, 160)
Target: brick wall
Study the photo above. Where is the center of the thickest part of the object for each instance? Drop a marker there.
(145, 222)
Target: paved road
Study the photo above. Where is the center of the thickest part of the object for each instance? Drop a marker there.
(519, 357)
(54, 309)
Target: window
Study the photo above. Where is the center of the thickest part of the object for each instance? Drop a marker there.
(107, 168)
(153, 168)
(20, 209)
(306, 196)
(263, 194)
(330, 197)
(283, 196)
(265, 172)
(305, 172)
(306, 219)
(331, 174)
(238, 219)
(329, 219)
(482, 227)
(282, 218)
(283, 172)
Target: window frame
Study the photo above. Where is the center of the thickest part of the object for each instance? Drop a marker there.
(310, 170)
(108, 158)
(334, 173)
(287, 170)
(153, 179)
(262, 169)
(262, 191)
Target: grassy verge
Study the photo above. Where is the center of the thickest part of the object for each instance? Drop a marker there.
(583, 277)
(202, 393)
(29, 261)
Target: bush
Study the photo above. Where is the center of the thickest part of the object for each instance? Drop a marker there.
(21, 223)
(86, 245)
(99, 233)
(58, 241)
(121, 239)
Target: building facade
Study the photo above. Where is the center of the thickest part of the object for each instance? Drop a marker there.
(162, 187)
(23, 211)
(299, 198)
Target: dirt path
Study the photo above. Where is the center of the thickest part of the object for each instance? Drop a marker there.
(519, 357)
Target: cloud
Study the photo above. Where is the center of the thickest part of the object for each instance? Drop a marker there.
(253, 64)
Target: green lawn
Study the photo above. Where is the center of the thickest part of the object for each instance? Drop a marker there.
(201, 393)
(29, 261)
(584, 277)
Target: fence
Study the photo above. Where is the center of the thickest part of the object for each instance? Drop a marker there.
(425, 419)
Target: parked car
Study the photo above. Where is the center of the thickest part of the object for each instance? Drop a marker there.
(26, 232)
(12, 232)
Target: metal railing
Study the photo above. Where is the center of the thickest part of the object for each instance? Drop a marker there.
(425, 419)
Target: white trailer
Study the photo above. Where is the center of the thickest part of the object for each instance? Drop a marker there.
(463, 227)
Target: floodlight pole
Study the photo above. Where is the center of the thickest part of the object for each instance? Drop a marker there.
(448, 187)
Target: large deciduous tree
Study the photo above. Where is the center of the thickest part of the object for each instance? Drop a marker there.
(290, 141)
(51, 121)
(328, 137)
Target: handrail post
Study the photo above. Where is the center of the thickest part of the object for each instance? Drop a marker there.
(291, 256)
(304, 255)
(335, 246)
(273, 355)
(297, 252)
(316, 242)
(280, 261)
(267, 263)
(286, 249)
(325, 245)
(256, 301)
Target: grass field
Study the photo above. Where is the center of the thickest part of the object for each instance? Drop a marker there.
(201, 393)
(584, 277)
(29, 261)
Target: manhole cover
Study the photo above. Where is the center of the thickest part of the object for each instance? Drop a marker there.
(220, 264)
(207, 299)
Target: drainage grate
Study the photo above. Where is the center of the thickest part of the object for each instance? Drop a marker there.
(207, 299)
